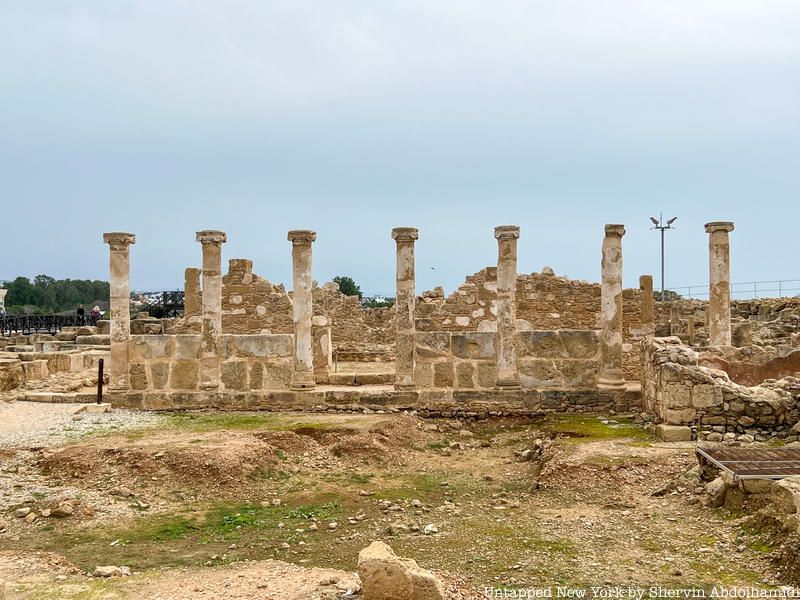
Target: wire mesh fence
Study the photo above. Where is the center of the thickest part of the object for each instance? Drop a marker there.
(781, 288)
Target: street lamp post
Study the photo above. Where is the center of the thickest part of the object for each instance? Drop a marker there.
(662, 227)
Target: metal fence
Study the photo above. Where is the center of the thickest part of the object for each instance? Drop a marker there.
(782, 288)
(27, 324)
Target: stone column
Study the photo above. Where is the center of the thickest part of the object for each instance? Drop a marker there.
(302, 309)
(611, 374)
(648, 305)
(120, 327)
(690, 325)
(211, 326)
(405, 301)
(3, 293)
(719, 283)
(192, 299)
(507, 374)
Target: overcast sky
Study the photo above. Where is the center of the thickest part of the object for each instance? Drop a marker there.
(255, 117)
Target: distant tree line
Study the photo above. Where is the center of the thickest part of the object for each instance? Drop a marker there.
(49, 295)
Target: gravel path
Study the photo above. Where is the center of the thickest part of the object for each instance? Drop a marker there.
(25, 424)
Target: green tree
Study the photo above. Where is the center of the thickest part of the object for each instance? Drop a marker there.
(669, 295)
(347, 285)
(47, 294)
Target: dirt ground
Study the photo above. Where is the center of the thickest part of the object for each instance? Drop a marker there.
(269, 505)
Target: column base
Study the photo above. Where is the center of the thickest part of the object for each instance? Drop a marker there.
(405, 387)
(302, 381)
(508, 384)
(611, 380)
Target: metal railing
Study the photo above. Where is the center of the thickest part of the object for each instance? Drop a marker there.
(27, 324)
(781, 288)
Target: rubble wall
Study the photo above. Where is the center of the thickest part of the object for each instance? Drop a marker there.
(544, 301)
(679, 391)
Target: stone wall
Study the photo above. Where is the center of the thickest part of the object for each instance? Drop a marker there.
(752, 365)
(544, 301)
(251, 304)
(680, 392)
(566, 359)
(247, 362)
(760, 321)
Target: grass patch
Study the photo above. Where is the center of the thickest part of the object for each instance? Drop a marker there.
(582, 428)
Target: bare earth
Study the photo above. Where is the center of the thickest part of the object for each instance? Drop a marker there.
(240, 505)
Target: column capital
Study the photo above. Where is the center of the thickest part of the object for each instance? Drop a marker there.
(211, 236)
(719, 226)
(405, 234)
(302, 237)
(504, 232)
(119, 240)
(615, 230)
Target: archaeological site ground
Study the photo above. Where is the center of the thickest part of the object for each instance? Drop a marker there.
(524, 432)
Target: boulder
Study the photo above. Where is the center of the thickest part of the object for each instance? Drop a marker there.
(673, 433)
(786, 495)
(385, 576)
(717, 490)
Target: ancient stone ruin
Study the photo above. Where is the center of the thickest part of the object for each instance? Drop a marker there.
(503, 342)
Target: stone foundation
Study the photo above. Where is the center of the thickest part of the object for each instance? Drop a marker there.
(680, 392)
(434, 403)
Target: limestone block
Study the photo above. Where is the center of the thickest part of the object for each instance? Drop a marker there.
(432, 345)
(580, 343)
(104, 327)
(35, 370)
(11, 374)
(234, 374)
(677, 395)
(487, 374)
(706, 396)
(423, 374)
(93, 340)
(465, 374)
(146, 327)
(385, 576)
(539, 373)
(256, 377)
(680, 417)
(278, 374)
(473, 344)
(673, 433)
(184, 374)
(257, 346)
(187, 347)
(148, 347)
(138, 376)
(540, 344)
(159, 374)
(579, 373)
(786, 495)
(443, 374)
(487, 326)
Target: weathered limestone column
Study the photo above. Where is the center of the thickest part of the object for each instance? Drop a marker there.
(719, 283)
(611, 375)
(211, 327)
(3, 293)
(192, 298)
(690, 325)
(406, 297)
(648, 305)
(120, 327)
(302, 309)
(507, 374)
